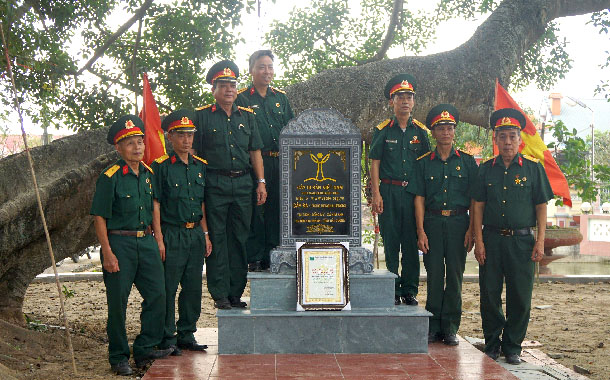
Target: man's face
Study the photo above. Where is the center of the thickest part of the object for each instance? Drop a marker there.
(508, 141)
(402, 103)
(131, 148)
(262, 71)
(182, 142)
(225, 92)
(443, 134)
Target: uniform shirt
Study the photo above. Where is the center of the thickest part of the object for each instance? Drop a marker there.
(124, 199)
(179, 188)
(398, 150)
(225, 141)
(446, 185)
(511, 194)
(272, 113)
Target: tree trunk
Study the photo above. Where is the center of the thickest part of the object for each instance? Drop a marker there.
(68, 168)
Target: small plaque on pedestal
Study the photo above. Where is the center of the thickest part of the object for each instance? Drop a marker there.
(322, 276)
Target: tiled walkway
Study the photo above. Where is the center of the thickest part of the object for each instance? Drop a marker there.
(442, 362)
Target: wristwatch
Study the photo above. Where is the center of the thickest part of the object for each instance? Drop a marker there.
(261, 180)
(205, 232)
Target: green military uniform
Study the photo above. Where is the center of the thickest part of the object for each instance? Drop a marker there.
(510, 195)
(397, 152)
(225, 142)
(272, 113)
(125, 201)
(179, 188)
(446, 186)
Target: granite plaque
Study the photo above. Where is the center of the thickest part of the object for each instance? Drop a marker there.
(320, 189)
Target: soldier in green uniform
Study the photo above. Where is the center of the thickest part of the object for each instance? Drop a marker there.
(442, 203)
(396, 144)
(272, 111)
(179, 212)
(511, 193)
(122, 208)
(228, 139)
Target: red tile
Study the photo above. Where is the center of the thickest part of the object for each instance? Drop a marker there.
(246, 359)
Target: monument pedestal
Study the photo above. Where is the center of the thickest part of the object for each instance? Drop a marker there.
(373, 325)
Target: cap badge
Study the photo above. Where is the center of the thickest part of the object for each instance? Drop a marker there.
(445, 115)
(129, 124)
(404, 83)
(185, 121)
(227, 71)
(506, 121)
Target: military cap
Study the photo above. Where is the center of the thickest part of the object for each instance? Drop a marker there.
(126, 126)
(400, 83)
(179, 121)
(224, 70)
(507, 118)
(442, 114)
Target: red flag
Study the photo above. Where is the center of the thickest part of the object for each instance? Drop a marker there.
(153, 139)
(533, 145)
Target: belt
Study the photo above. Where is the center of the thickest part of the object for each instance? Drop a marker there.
(508, 231)
(139, 234)
(394, 182)
(271, 153)
(230, 173)
(187, 225)
(458, 211)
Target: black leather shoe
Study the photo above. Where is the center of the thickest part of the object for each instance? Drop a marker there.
(435, 337)
(122, 369)
(396, 300)
(152, 355)
(513, 359)
(494, 354)
(409, 300)
(177, 351)
(192, 346)
(237, 302)
(451, 340)
(222, 303)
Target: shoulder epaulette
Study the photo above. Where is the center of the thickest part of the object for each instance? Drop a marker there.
(487, 159)
(423, 155)
(246, 109)
(420, 124)
(147, 167)
(466, 153)
(383, 124)
(200, 159)
(278, 90)
(242, 90)
(202, 108)
(161, 159)
(111, 170)
(534, 159)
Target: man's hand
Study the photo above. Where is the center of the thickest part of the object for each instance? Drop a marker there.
(479, 252)
(377, 203)
(468, 240)
(208, 246)
(538, 251)
(261, 193)
(422, 242)
(111, 264)
(161, 247)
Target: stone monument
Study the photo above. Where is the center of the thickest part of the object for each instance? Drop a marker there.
(321, 203)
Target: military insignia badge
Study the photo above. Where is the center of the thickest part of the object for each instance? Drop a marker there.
(200, 175)
(227, 71)
(277, 105)
(147, 180)
(506, 121)
(185, 121)
(415, 140)
(129, 124)
(404, 83)
(240, 126)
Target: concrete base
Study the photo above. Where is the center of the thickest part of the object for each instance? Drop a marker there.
(400, 329)
(272, 326)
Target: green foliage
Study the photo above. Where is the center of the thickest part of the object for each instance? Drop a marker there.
(572, 154)
(602, 21)
(68, 293)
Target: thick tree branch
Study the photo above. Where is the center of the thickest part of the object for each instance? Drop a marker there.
(389, 37)
(102, 49)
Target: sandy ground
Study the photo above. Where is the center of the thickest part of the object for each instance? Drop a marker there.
(576, 327)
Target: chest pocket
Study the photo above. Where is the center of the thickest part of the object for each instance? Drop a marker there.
(127, 199)
(521, 189)
(459, 178)
(216, 136)
(199, 186)
(433, 183)
(494, 189)
(242, 134)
